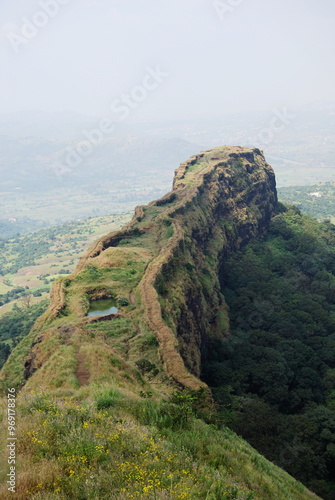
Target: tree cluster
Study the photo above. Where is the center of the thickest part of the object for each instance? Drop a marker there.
(274, 378)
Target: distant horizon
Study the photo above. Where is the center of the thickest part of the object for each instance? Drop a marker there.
(319, 105)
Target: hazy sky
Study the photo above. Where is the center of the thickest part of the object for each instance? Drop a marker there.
(221, 55)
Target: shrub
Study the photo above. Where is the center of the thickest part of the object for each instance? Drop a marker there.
(107, 399)
(167, 222)
(123, 302)
(145, 366)
(150, 341)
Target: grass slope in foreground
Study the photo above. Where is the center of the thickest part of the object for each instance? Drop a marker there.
(103, 444)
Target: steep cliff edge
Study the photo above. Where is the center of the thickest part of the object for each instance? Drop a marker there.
(164, 267)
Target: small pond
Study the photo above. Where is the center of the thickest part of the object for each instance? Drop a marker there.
(102, 307)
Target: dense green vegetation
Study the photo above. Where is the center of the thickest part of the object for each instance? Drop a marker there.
(13, 294)
(317, 200)
(274, 378)
(15, 325)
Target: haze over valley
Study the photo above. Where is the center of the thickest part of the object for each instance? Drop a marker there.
(45, 181)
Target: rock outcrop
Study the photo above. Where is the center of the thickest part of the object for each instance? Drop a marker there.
(168, 260)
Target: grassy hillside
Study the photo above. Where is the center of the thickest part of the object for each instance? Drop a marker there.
(101, 443)
(113, 407)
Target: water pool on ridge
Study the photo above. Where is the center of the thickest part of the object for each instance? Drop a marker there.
(102, 307)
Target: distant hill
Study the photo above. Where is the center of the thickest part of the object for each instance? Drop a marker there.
(38, 187)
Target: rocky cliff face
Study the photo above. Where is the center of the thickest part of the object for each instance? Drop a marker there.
(229, 197)
(167, 264)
